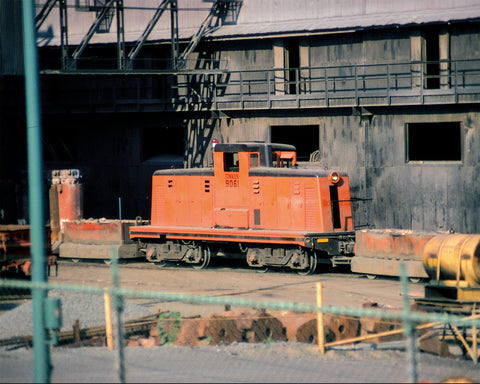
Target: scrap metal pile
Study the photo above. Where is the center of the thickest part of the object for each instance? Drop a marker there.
(260, 326)
(250, 326)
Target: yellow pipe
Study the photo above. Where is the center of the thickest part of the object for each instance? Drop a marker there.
(108, 321)
(320, 329)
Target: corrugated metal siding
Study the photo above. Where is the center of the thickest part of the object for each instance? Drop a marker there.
(11, 37)
(258, 17)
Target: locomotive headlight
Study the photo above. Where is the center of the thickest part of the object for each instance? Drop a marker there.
(334, 177)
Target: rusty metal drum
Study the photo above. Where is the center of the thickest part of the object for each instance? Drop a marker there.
(453, 257)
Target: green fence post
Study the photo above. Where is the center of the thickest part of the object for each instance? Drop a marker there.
(408, 326)
(41, 348)
(117, 301)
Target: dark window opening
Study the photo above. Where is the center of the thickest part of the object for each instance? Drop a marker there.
(292, 63)
(163, 144)
(58, 144)
(434, 142)
(335, 206)
(432, 57)
(305, 138)
(230, 162)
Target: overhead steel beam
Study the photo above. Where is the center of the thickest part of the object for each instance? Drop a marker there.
(139, 44)
(216, 16)
(120, 36)
(43, 14)
(204, 28)
(175, 50)
(64, 34)
(76, 54)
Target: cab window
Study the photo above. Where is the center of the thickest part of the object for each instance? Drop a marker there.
(230, 161)
(254, 160)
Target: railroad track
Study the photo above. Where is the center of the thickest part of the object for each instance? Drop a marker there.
(78, 336)
(233, 279)
(216, 264)
(14, 294)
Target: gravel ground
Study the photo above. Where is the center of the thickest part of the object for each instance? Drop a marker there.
(89, 309)
(273, 362)
(239, 362)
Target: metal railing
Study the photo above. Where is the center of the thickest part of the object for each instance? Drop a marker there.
(402, 83)
(354, 85)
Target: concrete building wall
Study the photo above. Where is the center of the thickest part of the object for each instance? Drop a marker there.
(370, 144)
(405, 194)
(388, 190)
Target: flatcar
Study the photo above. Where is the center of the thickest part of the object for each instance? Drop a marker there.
(15, 258)
(254, 203)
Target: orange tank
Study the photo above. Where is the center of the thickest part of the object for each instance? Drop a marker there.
(66, 202)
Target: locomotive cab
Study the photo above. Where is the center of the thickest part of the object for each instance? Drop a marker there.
(232, 166)
(227, 157)
(256, 187)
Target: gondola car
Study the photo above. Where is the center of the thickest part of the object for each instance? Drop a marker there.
(255, 203)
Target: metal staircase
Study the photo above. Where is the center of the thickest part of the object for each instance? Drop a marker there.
(217, 17)
(141, 40)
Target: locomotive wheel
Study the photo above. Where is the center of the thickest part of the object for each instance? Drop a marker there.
(312, 265)
(205, 259)
(416, 280)
(161, 263)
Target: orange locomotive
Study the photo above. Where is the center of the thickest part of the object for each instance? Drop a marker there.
(255, 203)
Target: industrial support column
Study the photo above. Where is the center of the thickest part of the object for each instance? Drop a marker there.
(41, 348)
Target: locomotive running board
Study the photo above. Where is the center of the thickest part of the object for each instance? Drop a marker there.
(234, 235)
(218, 234)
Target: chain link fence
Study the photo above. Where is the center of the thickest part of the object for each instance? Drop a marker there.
(106, 334)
